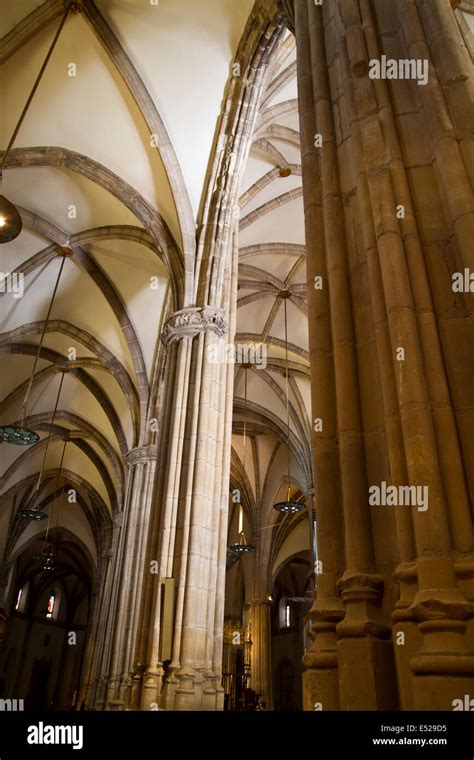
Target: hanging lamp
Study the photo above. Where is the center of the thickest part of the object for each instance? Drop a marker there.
(48, 563)
(242, 547)
(10, 219)
(46, 556)
(18, 434)
(33, 513)
(288, 506)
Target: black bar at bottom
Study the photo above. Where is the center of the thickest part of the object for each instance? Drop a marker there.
(139, 734)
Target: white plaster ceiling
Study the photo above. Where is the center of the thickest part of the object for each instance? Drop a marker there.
(272, 258)
(182, 52)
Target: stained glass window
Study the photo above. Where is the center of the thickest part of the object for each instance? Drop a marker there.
(50, 609)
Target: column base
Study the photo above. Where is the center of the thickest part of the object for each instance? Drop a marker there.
(367, 679)
(406, 635)
(151, 687)
(321, 677)
(443, 677)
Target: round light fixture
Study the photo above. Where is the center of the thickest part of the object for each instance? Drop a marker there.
(290, 507)
(242, 547)
(20, 436)
(41, 557)
(10, 221)
(32, 514)
(46, 559)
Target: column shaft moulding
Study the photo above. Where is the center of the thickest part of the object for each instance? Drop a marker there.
(109, 661)
(387, 177)
(189, 532)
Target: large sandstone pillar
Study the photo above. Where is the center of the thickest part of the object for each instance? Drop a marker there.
(260, 605)
(132, 557)
(190, 532)
(108, 663)
(387, 172)
(261, 652)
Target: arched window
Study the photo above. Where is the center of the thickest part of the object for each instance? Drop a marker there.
(50, 610)
(18, 599)
(22, 598)
(53, 603)
(285, 613)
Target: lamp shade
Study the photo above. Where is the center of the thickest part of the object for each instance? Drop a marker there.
(20, 436)
(289, 506)
(242, 547)
(32, 514)
(10, 221)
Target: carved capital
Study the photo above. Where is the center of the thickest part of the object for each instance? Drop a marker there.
(361, 587)
(441, 604)
(144, 454)
(190, 322)
(261, 602)
(362, 595)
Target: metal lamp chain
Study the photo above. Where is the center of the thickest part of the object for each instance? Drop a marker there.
(55, 491)
(287, 398)
(32, 93)
(245, 414)
(40, 476)
(40, 345)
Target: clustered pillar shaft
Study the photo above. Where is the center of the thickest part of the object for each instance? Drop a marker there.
(387, 175)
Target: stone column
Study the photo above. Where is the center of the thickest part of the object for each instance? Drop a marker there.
(93, 677)
(261, 652)
(191, 530)
(130, 581)
(188, 535)
(320, 678)
(386, 168)
(108, 663)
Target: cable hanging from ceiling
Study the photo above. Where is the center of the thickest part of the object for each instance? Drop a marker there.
(242, 547)
(10, 219)
(287, 506)
(47, 554)
(34, 513)
(18, 434)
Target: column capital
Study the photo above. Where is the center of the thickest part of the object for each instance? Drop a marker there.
(191, 321)
(143, 454)
(261, 601)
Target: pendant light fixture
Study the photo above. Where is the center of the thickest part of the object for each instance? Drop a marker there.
(10, 219)
(288, 506)
(242, 547)
(18, 434)
(33, 513)
(46, 556)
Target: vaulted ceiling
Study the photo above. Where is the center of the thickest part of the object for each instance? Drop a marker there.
(112, 162)
(272, 262)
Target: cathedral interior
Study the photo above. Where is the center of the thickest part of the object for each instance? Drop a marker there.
(237, 355)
